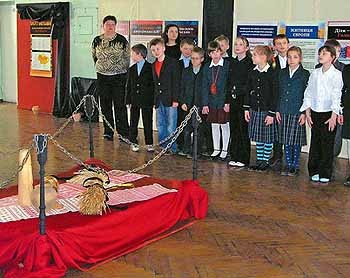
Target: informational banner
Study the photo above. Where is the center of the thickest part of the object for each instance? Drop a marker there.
(188, 29)
(40, 27)
(143, 31)
(340, 30)
(258, 33)
(309, 37)
(41, 48)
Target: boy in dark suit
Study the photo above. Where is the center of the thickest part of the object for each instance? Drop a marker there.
(191, 90)
(186, 47)
(166, 79)
(281, 45)
(140, 95)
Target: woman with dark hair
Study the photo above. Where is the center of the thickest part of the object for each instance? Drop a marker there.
(171, 37)
(111, 55)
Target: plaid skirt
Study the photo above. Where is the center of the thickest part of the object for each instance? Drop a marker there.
(257, 129)
(290, 132)
(218, 116)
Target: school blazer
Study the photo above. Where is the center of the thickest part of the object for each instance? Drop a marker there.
(277, 65)
(291, 90)
(219, 100)
(262, 91)
(140, 88)
(182, 66)
(167, 85)
(191, 87)
(238, 76)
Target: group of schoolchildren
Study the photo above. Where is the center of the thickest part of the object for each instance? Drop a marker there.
(256, 96)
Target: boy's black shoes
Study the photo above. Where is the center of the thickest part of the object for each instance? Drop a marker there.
(347, 182)
(276, 164)
(108, 137)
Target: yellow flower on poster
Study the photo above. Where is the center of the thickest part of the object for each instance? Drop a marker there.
(41, 64)
(43, 59)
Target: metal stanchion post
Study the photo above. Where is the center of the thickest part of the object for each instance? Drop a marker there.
(89, 110)
(195, 147)
(41, 149)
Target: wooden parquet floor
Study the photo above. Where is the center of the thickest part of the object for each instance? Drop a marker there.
(258, 224)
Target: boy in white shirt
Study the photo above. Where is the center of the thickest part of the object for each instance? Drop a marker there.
(321, 104)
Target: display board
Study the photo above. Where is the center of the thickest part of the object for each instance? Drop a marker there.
(340, 30)
(309, 37)
(143, 31)
(258, 33)
(41, 48)
(188, 29)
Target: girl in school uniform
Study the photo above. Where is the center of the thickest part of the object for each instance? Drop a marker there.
(240, 66)
(292, 82)
(260, 106)
(215, 100)
(321, 104)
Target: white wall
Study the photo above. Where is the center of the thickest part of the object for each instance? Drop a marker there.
(294, 10)
(8, 40)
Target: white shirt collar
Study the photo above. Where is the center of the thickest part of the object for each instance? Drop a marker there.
(262, 70)
(220, 63)
(291, 72)
(182, 57)
(332, 68)
(283, 61)
(282, 58)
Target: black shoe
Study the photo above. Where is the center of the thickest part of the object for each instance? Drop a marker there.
(182, 153)
(293, 172)
(256, 166)
(264, 166)
(347, 182)
(108, 137)
(274, 158)
(276, 165)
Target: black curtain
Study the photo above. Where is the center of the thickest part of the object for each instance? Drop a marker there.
(217, 20)
(59, 12)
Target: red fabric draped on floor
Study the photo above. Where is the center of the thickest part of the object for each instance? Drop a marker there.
(76, 241)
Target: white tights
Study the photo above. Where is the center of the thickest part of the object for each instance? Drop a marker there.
(225, 130)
